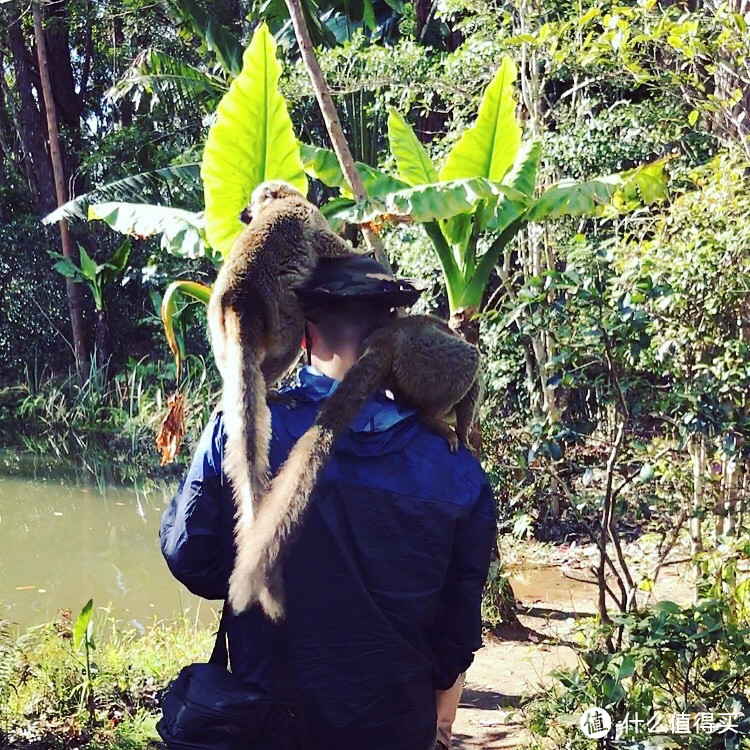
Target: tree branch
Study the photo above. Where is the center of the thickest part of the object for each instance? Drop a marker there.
(331, 119)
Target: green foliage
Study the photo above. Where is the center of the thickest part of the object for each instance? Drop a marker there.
(170, 312)
(673, 659)
(106, 427)
(98, 276)
(163, 77)
(458, 213)
(218, 39)
(33, 308)
(183, 233)
(82, 637)
(690, 273)
(322, 164)
(414, 164)
(251, 141)
(494, 599)
(126, 672)
(489, 147)
(181, 182)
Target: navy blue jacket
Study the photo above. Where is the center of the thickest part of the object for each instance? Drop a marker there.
(383, 583)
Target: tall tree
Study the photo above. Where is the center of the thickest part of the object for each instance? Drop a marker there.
(68, 248)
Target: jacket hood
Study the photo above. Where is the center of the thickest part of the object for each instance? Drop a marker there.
(383, 425)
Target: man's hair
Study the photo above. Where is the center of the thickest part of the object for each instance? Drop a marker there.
(346, 321)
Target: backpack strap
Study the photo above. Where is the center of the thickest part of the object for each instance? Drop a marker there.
(279, 648)
(219, 654)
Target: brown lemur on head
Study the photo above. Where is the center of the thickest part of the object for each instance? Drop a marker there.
(256, 325)
(421, 360)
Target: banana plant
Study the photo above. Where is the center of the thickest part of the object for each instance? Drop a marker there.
(183, 233)
(97, 276)
(179, 183)
(251, 140)
(175, 294)
(483, 196)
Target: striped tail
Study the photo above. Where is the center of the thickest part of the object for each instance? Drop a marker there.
(262, 544)
(248, 423)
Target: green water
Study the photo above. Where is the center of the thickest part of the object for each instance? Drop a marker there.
(63, 541)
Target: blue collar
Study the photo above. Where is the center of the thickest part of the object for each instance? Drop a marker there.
(379, 414)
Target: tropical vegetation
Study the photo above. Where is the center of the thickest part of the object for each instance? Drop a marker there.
(571, 183)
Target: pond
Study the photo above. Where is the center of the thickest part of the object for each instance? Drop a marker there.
(63, 541)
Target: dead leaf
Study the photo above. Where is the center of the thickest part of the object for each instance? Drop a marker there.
(172, 428)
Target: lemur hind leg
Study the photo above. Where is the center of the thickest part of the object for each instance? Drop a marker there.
(440, 424)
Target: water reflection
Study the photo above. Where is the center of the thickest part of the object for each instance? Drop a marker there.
(62, 543)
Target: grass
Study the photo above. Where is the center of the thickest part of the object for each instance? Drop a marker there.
(106, 425)
(42, 677)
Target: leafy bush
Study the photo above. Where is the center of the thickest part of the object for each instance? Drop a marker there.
(671, 660)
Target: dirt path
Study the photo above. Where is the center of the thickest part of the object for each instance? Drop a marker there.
(505, 672)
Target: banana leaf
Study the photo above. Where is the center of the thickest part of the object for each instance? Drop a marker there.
(170, 184)
(251, 141)
(489, 147)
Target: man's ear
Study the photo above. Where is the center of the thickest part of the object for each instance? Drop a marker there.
(312, 332)
(310, 341)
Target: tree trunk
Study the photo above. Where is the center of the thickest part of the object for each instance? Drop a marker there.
(331, 119)
(31, 125)
(103, 343)
(73, 289)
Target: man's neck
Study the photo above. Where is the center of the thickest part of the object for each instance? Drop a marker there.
(336, 365)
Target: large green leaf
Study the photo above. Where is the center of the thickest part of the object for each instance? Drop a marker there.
(174, 293)
(645, 184)
(322, 164)
(251, 141)
(115, 264)
(521, 177)
(414, 164)
(436, 201)
(182, 232)
(82, 626)
(89, 267)
(571, 198)
(170, 184)
(489, 148)
(219, 40)
(164, 77)
(66, 267)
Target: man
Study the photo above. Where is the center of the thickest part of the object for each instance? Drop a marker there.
(384, 581)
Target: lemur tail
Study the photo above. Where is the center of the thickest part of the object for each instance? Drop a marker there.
(262, 544)
(247, 419)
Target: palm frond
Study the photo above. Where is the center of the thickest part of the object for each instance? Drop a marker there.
(165, 78)
(220, 40)
(179, 184)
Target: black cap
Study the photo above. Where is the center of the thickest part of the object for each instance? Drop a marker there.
(349, 277)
